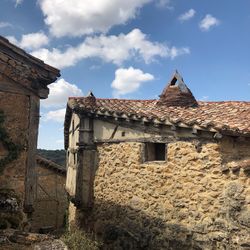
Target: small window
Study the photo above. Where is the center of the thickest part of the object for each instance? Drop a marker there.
(123, 133)
(155, 152)
(73, 127)
(173, 81)
(74, 158)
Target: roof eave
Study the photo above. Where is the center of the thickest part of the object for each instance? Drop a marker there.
(67, 121)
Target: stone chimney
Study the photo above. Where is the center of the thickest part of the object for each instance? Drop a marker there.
(176, 93)
(90, 100)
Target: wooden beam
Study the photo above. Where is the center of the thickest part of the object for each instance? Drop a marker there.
(153, 139)
(32, 151)
(137, 125)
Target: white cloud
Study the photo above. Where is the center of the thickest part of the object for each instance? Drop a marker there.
(164, 4)
(174, 52)
(59, 93)
(55, 115)
(76, 18)
(187, 15)
(129, 80)
(18, 2)
(12, 39)
(207, 22)
(114, 49)
(58, 97)
(34, 40)
(5, 25)
(30, 41)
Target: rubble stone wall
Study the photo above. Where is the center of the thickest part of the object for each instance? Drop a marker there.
(16, 111)
(194, 200)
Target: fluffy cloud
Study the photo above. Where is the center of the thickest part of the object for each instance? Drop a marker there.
(18, 2)
(59, 93)
(174, 52)
(76, 18)
(187, 15)
(114, 49)
(129, 80)
(55, 115)
(30, 41)
(208, 21)
(163, 4)
(5, 25)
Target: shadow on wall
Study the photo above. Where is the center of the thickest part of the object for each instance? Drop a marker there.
(129, 227)
(123, 227)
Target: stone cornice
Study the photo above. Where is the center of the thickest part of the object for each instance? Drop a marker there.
(25, 69)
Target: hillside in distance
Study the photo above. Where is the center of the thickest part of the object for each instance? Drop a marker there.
(57, 156)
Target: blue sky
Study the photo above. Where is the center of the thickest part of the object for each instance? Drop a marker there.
(129, 49)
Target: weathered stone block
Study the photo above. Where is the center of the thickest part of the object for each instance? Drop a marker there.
(187, 202)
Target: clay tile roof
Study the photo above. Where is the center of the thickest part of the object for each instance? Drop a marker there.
(230, 115)
(226, 117)
(50, 165)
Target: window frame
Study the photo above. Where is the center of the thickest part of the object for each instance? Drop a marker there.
(150, 148)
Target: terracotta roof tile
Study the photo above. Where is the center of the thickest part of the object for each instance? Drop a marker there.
(228, 116)
(50, 165)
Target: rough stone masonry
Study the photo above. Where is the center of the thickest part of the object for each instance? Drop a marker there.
(23, 82)
(171, 173)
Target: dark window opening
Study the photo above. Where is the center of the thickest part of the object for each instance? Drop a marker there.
(173, 81)
(73, 127)
(155, 152)
(123, 133)
(74, 158)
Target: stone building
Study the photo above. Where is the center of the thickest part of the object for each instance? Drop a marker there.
(24, 80)
(50, 202)
(171, 173)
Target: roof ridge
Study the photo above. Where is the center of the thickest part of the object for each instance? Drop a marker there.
(134, 100)
(152, 100)
(51, 164)
(248, 102)
(118, 99)
(228, 117)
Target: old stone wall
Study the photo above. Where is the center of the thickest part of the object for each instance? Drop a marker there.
(191, 201)
(12, 177)
(51, 202)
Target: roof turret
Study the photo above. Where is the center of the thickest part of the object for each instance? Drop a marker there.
(176, 93)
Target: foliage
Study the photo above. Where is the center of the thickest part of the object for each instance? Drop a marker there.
(11, 147)
(57, 156)
(79, 240)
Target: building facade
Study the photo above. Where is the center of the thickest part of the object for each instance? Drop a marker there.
(171, 173)
(24, 80)
(50, 202)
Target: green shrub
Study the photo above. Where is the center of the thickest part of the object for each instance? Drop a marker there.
(79, 240)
